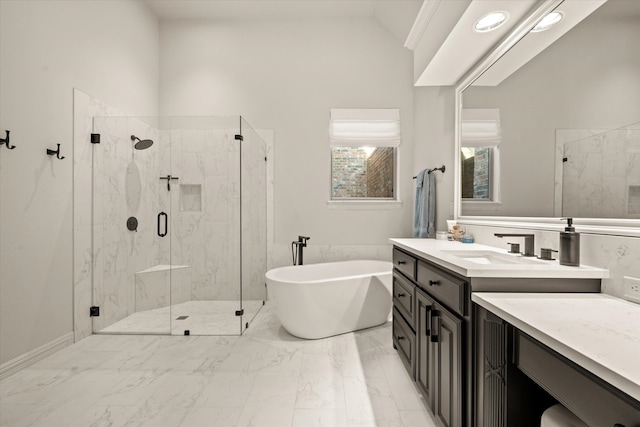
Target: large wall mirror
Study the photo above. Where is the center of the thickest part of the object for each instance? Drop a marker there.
(553, 131)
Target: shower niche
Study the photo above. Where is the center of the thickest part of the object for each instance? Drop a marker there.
(195, 263)
(190, 197)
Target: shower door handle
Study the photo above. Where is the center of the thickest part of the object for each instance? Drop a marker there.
(166, 224)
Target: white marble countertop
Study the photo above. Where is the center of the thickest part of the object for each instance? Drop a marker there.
(442, 253)
(598, 332)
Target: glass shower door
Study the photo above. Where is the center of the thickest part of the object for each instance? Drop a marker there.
(205, 226)
(253, 166)
(131, 249)
(179, 225)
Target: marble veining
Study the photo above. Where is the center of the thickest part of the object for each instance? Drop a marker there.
(599, 332)
(112, 181)
(442, 252)
(600, 173)
(265, 377)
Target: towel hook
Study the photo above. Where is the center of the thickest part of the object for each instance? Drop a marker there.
(6, 141)
(55, 153)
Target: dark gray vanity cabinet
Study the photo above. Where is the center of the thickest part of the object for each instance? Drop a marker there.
(504, 395)
(438, 329)
(460, 361)
(595, 401)
(439, 359)
(425, 357)
(518, 377)
(404, 319)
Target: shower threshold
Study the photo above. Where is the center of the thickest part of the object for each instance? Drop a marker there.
(196, 317)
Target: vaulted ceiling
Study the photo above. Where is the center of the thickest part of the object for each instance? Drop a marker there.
(397, 16)
(439, 32)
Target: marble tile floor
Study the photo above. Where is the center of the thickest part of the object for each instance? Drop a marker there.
(264, 378)
(202, 318)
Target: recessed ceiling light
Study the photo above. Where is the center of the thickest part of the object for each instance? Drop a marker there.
(548, 21)
(490, 21)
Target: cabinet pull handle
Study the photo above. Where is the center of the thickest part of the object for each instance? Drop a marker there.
(435, 327)
(401, 295)
(434, 282)
(427, 322)
(402, 262)
(400, 337)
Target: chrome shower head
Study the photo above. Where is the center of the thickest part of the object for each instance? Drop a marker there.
(142, 144)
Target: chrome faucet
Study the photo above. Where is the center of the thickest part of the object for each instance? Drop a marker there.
(299, 244)
(528, 242)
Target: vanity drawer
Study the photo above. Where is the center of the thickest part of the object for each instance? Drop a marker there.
(404, 298)
(587, 396)
(448, 289)
(404, 341)
(404, 263)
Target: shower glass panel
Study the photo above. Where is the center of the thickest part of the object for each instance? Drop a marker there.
(131, 265)
(253, 192)
(601, 173)
(169, 253)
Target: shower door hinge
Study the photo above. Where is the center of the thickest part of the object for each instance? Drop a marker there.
(239, 138)
(94, 311)
(239, 312)
(95, 138)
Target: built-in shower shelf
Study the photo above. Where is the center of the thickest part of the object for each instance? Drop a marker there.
(162, 267)
(190, 197)
(162, 285)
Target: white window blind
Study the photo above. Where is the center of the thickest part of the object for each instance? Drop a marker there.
(375, 127)
(480, 127)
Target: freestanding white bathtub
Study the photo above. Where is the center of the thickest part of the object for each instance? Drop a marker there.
(320, 300)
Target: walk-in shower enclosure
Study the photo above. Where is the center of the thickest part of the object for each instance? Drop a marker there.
(179, 225)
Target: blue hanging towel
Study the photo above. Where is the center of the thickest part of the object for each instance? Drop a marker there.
(425, 205)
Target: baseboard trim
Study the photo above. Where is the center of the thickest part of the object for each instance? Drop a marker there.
(31, 357)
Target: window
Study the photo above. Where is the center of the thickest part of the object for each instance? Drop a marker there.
(363, 153)
(480, 155)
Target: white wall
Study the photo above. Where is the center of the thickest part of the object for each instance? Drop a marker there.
(286, 75)
(107, 48)
(434, 115)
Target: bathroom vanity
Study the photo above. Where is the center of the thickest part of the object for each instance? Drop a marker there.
(557, 340)
(434, 321)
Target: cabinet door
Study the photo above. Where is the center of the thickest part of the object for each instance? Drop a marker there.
(446, 336)
(425, 369)
(404, 340)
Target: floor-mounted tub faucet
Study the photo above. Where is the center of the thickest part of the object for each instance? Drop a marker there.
(528, 242)
(299, 245)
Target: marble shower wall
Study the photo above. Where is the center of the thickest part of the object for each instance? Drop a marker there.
(601, 177)
(125, 185)
(130, 269)
(205, 211)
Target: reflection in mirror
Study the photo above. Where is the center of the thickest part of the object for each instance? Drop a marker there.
(586, 82)
(599, 175)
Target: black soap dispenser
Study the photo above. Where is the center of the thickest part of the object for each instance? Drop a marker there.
(569, 245)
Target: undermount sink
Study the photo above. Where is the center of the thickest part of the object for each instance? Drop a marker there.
(490, 257)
